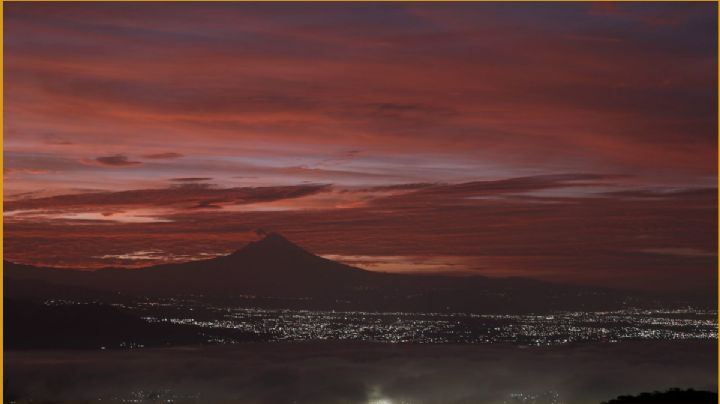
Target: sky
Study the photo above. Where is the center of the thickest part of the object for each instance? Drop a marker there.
(572, 142)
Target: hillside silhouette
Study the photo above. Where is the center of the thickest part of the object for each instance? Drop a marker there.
(31, 325)
(671, 396)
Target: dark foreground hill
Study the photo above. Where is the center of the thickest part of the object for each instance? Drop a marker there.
(671, 396)
(276, 268)
(78, 326)
(89, 326)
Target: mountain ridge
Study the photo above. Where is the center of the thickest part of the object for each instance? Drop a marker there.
(270, 265)
(276, 268)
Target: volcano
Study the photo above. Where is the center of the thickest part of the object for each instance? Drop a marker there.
(276, 268)
(272, 266)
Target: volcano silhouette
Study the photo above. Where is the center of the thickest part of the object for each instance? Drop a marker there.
(271, 266)
(276, 268)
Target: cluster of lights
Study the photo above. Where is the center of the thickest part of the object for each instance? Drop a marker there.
(406, 327)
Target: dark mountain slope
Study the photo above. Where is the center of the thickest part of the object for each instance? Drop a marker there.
(84, 326)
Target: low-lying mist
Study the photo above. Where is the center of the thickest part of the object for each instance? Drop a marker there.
(361, 373)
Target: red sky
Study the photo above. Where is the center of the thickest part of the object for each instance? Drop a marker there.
(570, 142)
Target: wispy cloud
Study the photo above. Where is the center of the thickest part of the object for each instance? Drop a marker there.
(117, 160)
(167, 155)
